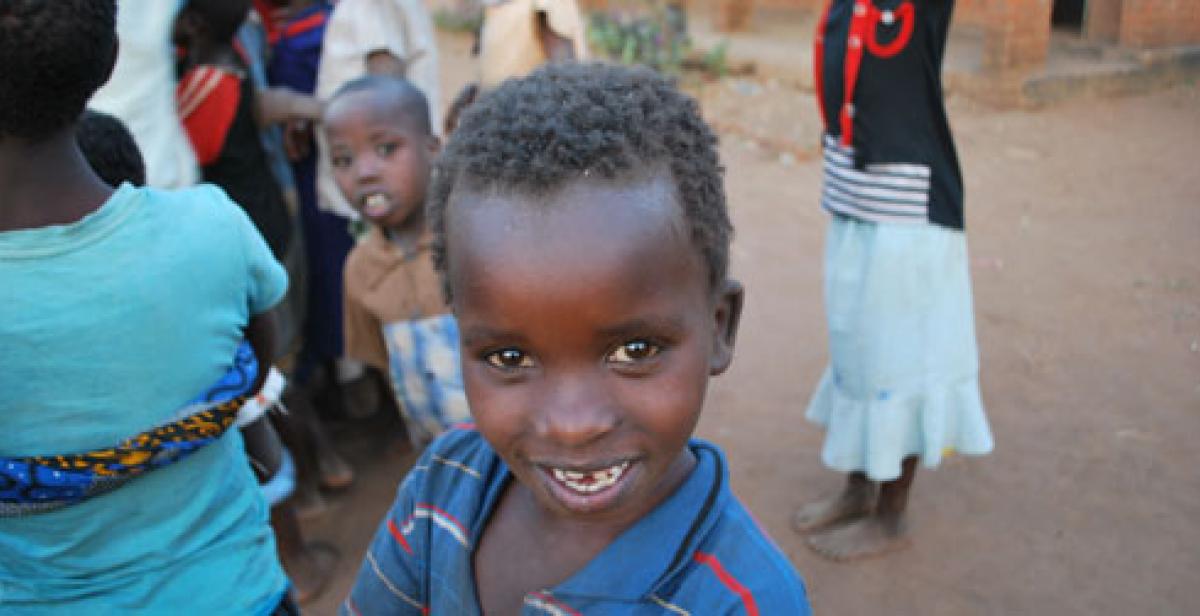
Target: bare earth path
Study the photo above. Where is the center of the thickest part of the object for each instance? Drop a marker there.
(1084, 227)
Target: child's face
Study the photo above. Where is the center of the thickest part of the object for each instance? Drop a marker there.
(589, 329)
(380, 158)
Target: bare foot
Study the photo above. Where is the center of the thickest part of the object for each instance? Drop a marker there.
(870, 536)
(851, 503)
(311, 570)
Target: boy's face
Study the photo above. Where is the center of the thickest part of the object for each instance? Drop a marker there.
(381, 159)
(589, 332)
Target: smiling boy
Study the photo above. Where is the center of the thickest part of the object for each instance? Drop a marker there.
(579, 223)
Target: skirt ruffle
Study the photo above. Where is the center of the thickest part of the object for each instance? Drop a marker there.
(874, 436)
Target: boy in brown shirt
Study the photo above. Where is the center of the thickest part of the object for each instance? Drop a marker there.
(381, 148)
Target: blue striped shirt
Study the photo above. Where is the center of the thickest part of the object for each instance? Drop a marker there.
(698, 552)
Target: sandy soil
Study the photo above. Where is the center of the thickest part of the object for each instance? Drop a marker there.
(1084, 227)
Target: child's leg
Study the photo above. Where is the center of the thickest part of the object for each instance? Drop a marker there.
(360, 387)
(316, 450)
(893, 495)
(854, 501)
(883, 531)
(309, 565)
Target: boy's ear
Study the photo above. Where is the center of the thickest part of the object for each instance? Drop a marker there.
(435, 145)
(727, 313)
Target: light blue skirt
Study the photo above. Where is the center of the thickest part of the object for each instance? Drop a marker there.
(903, 377)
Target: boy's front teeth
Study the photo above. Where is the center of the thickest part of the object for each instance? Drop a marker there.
(375, 202)
(592, 481)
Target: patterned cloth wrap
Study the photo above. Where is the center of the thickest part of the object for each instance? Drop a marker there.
(426, 375)
(38, 484)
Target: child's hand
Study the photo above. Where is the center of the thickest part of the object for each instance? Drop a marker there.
(384, 62)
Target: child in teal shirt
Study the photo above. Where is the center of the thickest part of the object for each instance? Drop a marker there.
(120, 306)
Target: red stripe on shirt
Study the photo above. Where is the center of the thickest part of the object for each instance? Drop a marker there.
(296, 28)
(558, 604)
(729, 581)
(399, 536)
(466, 425)
(353, 608)
(267, 15)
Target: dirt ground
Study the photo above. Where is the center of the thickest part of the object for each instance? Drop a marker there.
(1084, 227)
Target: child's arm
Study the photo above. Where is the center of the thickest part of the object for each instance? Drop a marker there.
(275, 105)
(400, 562)
(389, 580)
(557, 48)
(558, 23)
(207, 100)
(265, 284)
(261, 441)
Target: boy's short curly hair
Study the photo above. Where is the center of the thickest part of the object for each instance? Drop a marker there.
(534, 135)
(53, 56)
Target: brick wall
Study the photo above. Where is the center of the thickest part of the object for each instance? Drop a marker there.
(1103, 20)
(1017, 34)
(1159, 23)
(972, 12)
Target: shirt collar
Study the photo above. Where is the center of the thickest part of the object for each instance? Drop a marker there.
(655, 549)
(384, 246)
(385, 255)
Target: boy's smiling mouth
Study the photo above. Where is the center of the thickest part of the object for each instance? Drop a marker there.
(588, 489)
(588, 482)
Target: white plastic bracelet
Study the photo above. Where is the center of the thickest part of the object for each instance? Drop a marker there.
(262, 402)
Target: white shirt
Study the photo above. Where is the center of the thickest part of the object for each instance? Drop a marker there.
(141, 92)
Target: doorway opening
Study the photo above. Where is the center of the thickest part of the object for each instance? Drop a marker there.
(1067, 15)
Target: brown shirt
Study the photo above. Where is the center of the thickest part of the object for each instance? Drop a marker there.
(383, 285)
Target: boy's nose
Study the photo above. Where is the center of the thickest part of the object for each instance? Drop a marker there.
(577, 412)
(366, 168)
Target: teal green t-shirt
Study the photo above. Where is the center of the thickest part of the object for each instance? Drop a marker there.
(108, 326)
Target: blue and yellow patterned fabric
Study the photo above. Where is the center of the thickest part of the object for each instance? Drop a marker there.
(36, 484)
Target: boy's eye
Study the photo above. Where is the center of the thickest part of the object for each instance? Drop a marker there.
(386, 149)
(340, 162)
(509, 359)
(633, 351)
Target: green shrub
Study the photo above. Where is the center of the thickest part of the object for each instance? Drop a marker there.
(656, 36)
